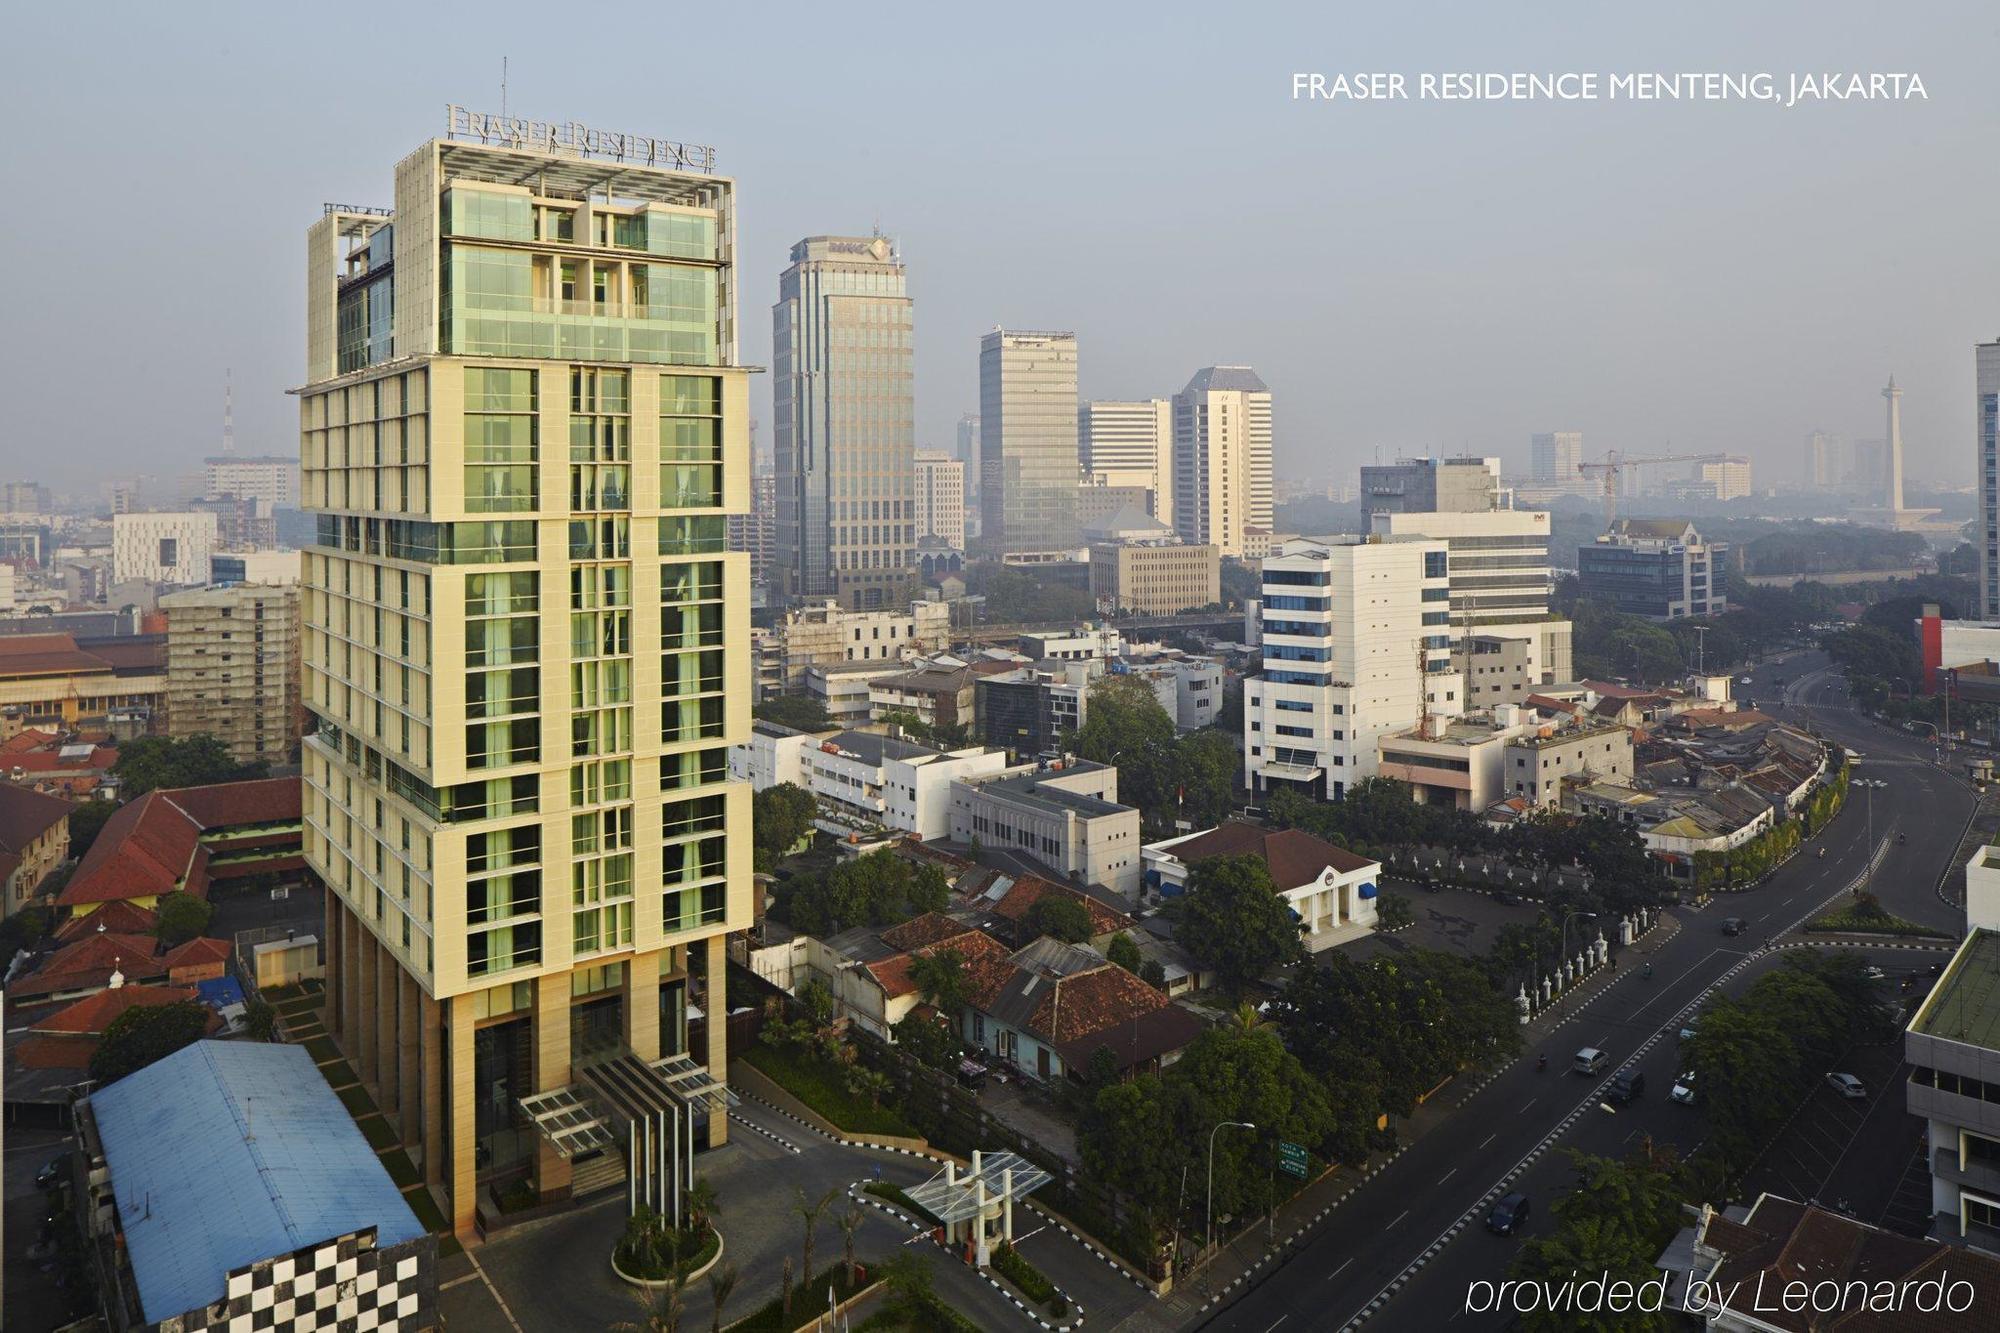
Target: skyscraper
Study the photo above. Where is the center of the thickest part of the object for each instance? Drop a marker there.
(1027, 441)
(1828, 460)
(1893, 479)
(1986, 415)
(844, 428)
(1131, 444)
(526, 650)
(754, 532)
(1222, 458)
(1553, 456)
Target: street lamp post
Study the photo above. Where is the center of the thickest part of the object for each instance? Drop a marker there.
(1868, 870)
(1239, 1124)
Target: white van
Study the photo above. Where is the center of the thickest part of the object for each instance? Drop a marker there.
(1589, 1060)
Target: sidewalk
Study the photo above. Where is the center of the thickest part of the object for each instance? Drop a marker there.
(1201, 1289)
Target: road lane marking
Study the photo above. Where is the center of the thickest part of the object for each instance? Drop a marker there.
(1489, 1139)
(1399, 1217)
(1336, 1272)
(1447, 1175)
(1275, 1322)
(1531, 1103)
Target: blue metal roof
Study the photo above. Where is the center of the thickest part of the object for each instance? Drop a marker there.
(227, 1152)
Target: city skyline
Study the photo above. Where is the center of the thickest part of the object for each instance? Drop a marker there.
(1636, 284)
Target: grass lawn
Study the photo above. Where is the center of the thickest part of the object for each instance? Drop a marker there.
(889, 1193)
(1855, 921)
(820, 1086)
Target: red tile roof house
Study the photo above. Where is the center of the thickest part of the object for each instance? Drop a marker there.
(86, 967)
(1049, 1007)
(66, 1038)
(1014, 905)
(185, 838)
(34, 840)
(868, 968)
(1332, 891)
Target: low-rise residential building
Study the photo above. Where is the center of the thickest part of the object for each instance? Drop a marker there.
(869, 781)
(1067, 817)
(1331, 890)
(823, 635)
(1188, 688)
(845, 689)
(1085, 643)
(1457, 761)
(773, 754)
(867, 969)
(1537, 765)
(941, 694)
(1027, 711)
(1055, 1005)
(34, 840)
(233, 668)
(1010, 900)
(184, 839)
(1497, 670)
(318, 1234)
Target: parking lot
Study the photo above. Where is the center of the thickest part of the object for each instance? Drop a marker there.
(1460, 921)
(1851, 1155)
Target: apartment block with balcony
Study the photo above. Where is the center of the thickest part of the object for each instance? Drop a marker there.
(527, 653)
(233, 668)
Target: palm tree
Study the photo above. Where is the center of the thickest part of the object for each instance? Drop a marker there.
(810, 1211)
(785, 1287)
(663, 1300)
(702, 1202)
(849, 1223)
(721, 1286)
(1246, 1018)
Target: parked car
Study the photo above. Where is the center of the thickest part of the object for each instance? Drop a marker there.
(1589, 1060)
(1509, 1214)
(1743, 680)
(1873, 973)
(1848, 1086)
(1733, 925)
(1683, 1089)
(1693, 1026)
(1627, 1085)
(52, 1171)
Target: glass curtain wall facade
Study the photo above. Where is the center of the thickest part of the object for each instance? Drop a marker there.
(520, 633)
(845, 430)
(1028, 441)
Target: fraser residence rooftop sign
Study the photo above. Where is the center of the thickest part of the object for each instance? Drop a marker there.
(573, 137)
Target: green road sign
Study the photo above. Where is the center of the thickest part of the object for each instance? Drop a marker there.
(1292, 1158)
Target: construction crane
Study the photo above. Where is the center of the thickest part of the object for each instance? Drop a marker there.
(1613, 464)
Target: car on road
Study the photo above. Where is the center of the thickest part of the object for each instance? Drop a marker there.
(1873, 973)
(1683, 1089)
(52, 1171)
(1848, 1086)
(1627, 1085)
(1733, 925)
(1509, 1215)
(1589, 1060)
(1743, 680)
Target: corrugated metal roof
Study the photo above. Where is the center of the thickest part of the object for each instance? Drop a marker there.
(227, 1152)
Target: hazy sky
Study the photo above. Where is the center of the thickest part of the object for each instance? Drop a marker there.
(1405, 275)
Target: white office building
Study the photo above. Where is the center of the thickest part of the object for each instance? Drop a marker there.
(866, 782)
(1499, 579)
(940, 499)
(1355, 645)
(162, 548)
(1128, 443)
(772, 754)
(271, 479)
(1222, 458)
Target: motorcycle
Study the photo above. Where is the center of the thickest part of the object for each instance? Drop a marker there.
(1541, 1063)
(1649, 971)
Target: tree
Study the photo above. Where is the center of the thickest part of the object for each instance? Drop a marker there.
(879, 889)
(1615, 1222)
(809, 1212)
(702, 1203)
(139, 1036)
(939, 976)
(1122, 715)
(930, 1040)
(1123, 952)
(1393, 911)
(182, 917)
(1153, 973)
(1016, 598)
(86, 822)
(260, 1021)
(780, 816)
(21, 931)
(849, 1223)
(1232, 921)
(721, 1286)
(794, 711)
(151, 762)
(1748, 1072)
(1060, 915)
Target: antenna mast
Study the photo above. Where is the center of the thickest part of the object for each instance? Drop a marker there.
(228, 412)
(503, 87)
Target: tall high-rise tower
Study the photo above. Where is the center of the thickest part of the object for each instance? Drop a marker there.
(1986, 419)
(1222, 458)
(1553, 457)
(526, 650)
(844, 425)
(1027, 441)
(1131, 444)
(1894, 448)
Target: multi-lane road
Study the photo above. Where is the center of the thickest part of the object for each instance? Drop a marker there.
(1404, 1247)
